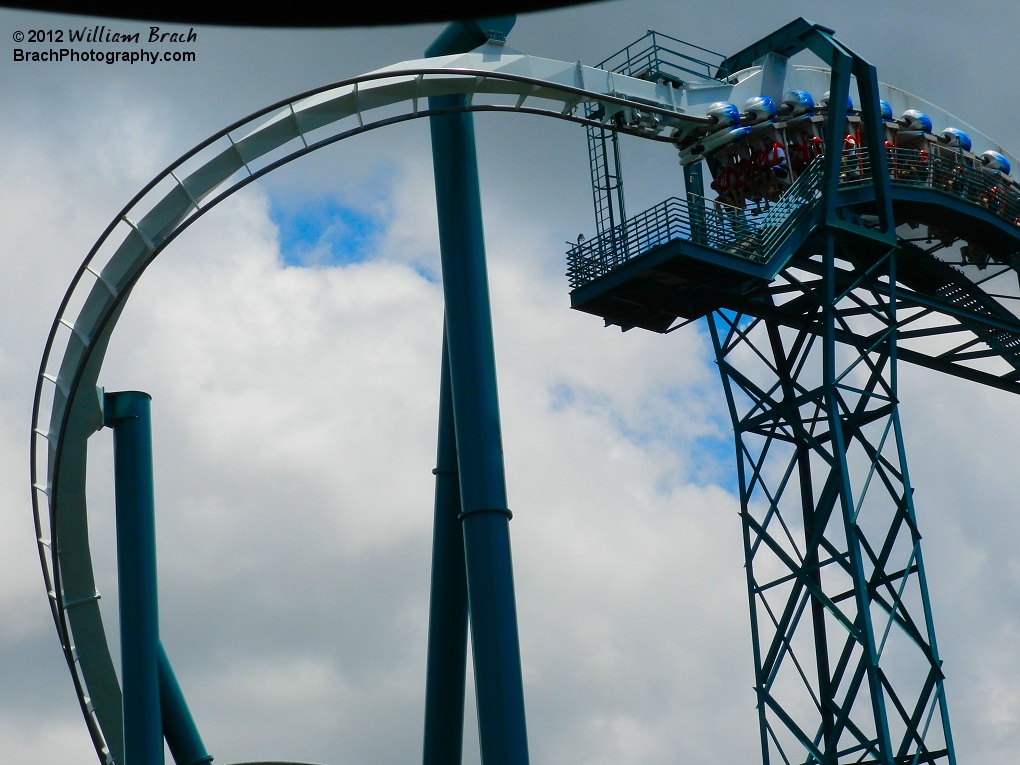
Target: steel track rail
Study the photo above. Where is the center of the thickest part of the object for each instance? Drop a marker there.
(66, 408)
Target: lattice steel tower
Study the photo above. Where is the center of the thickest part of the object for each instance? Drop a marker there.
(871, 240)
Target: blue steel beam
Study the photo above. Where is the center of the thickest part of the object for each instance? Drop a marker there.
(179, 729)
(448, 600)
(837, 415)
(484, 513)
(788, 42)
(871, 123)
(128, 414)
(154, 705)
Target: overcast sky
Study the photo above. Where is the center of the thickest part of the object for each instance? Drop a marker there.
(291, 343)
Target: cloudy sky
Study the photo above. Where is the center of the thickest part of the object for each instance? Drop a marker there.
(291, 343)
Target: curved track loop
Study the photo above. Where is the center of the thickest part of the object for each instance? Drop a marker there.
(67, 409)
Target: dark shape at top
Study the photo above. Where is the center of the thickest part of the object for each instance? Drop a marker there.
(295, 15)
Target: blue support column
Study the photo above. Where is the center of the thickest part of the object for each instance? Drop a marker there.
(179, 727)
(484, 513)
(128, 413)
(448, 604)
(694, 185)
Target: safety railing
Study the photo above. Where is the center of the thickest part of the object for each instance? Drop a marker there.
(775, 225)
(923, 169)
(757, 236)
(660, 57)
(740, 232)
(597, 257)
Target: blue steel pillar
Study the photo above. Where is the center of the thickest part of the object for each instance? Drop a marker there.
(694, 185)
(484, 514)
(128, 414)
(179, 727)
(448, 604)
(153, 703)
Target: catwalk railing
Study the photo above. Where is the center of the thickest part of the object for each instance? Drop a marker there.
(750, 235)
(658, 57)
(755, 235)
(912, 167)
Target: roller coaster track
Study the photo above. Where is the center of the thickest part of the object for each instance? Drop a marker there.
(67, 410)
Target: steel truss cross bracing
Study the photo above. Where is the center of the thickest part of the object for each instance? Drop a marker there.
(846, 663)
(811, 303)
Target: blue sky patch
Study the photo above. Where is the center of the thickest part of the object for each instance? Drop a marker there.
(324, 231)
(708, 455)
